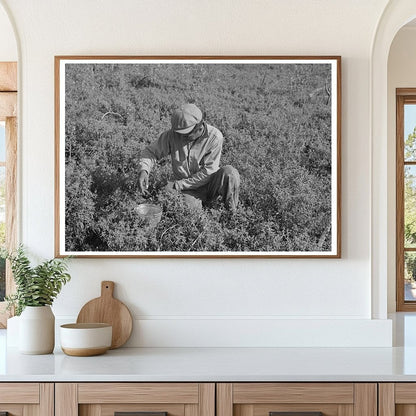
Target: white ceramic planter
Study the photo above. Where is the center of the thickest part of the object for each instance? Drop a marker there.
(37, 330)
(12, 334)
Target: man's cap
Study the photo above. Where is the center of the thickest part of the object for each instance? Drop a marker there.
(185, 118)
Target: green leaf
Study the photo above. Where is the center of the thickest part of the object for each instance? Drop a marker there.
(35, 286)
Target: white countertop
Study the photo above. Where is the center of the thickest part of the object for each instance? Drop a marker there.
(215, 364)
(221, 364)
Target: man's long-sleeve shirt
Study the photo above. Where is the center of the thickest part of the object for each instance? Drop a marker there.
(192, 163)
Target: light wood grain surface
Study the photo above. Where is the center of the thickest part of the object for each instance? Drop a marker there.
(365, 399)
(47, 399)
(405, 393)
(19, 393)
(263, 410)
(138, 393)
(111, 311)
(8, 76)
(225, 399)
(206, 399)
(191, 409)
(346, 410)
(11, 196)
(66, 399)
(84, 352)
(400, 301)
(251, 393)
(386, 399)
(8, 105)
(110, 409)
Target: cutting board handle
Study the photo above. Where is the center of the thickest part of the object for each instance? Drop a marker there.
(107, 289)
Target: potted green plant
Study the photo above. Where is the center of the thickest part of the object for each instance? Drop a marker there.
(36, 289)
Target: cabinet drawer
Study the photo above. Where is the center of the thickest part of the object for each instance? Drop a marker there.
(296, 399)
(148, 399)
(21, 399)
(19, 393)
(397, 399)
(138, 393)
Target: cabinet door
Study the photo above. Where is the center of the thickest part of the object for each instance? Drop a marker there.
(297, 399)
(397, 399)
(26, 399)
(142, 399)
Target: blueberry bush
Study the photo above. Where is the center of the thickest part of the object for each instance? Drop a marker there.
(276, 121)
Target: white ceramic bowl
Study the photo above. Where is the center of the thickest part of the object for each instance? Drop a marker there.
(83, 340)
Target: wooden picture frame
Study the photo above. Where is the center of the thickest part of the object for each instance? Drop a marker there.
(280, 119)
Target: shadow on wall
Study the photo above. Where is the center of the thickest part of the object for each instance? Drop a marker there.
(9, 42)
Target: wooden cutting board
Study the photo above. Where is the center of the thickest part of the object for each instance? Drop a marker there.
(111, 311)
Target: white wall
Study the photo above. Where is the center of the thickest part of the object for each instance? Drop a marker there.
(401, 74)
(202, 302)
(8, 46)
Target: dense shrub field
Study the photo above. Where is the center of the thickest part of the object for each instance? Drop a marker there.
(276, 120)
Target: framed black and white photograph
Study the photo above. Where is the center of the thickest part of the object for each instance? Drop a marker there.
(198, 156)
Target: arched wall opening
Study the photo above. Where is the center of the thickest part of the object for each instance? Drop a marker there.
(396, 15)
(401, 74)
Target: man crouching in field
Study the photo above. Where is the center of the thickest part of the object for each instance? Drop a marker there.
(195, 150)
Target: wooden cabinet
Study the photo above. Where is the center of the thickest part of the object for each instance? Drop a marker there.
(108, 399)
(27, 399)
(397, 399)
(309, 399)
(208, 399)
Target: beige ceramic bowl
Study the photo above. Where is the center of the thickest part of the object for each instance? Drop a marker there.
(84, 340)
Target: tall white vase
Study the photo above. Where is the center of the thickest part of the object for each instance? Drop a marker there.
(37, 330)
(12, 334)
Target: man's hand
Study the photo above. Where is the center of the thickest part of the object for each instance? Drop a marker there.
(170, 187)
(143, 182)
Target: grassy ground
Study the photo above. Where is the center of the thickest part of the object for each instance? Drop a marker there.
(276, 120)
